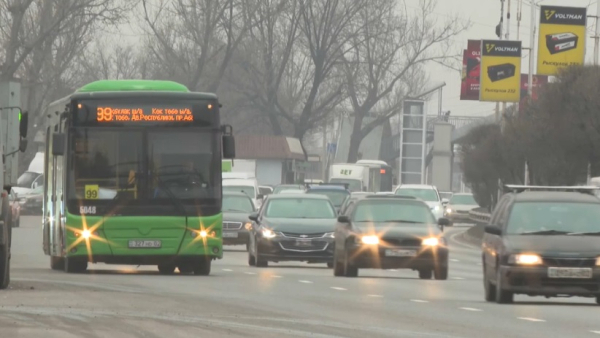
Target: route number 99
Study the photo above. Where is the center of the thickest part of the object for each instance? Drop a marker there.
(104, 114)
(91, 192)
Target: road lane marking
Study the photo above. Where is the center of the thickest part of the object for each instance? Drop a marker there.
(339, 289)
(454, 260)
(470, 309)
(228, 270)
(276, 276)
(305, 281)
(392, 270)
(531, 319)
(458, 278)
(596, 332)
(376, 296)
(419, 301)
(250, 273)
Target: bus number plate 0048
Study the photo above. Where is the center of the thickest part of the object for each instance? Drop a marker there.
(144, 244)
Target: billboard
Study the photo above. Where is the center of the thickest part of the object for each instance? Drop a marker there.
(561, 41)
(469, 89)
(500, 79)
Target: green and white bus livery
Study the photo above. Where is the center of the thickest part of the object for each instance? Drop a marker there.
(133, 176)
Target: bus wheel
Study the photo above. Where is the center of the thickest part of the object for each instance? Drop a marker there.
(202, 268)
(5, 248)
(166, 269)
(57, 263)
(74, 266)
(186, 269)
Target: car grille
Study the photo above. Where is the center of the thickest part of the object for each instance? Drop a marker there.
(232, 225)
(314, 246)
(402, 241)
(462, 212)
(293, 235)
(570, 262)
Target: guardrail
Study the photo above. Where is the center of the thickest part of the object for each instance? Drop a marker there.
(479, 216)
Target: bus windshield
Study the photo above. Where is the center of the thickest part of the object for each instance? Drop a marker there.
(170, 164)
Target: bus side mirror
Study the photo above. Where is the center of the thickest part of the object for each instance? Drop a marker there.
(23, 124)
(228, 146)
(58, 144)
(23, 145)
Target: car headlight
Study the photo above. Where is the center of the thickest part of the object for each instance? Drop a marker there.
(248, 225)
(598, 261)
(371, 240)
(431, 241)
(448, 211)
(436, 208)
(330, 235)
(268, 233)
(525, 259)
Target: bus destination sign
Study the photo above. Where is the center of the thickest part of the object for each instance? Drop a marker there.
(149, 114)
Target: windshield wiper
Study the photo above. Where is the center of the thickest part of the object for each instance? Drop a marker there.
(176, 201)
(593, 233)
(237, 210)
(402, 221)
(545, 232)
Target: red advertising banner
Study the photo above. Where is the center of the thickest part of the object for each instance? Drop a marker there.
(471, 70)
(538, 82)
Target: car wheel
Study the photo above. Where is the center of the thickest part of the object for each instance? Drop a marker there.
(350, 270)
(488, 287)
(502, 296)
(4, 266)
(166, 269)
(338, 268)
(202, 268)
(598, 300)
(425, 274)
(441, 272)
(74, 266)
(251, 259)
(57, 263)
(248, 246)
(260, 263)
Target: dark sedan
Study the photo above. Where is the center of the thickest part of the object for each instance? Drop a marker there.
(390, 232)
(293, 227)
(237, 206)
(542, 241)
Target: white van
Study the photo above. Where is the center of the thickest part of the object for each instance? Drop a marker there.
(32, 178)
(249, 186)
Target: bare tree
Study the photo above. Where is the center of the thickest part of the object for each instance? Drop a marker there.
(194, 40)
(386, 61)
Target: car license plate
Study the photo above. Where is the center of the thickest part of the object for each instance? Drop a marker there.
(145, 244)
(400, 253)
(230, 234)
(303, 242)
(570, 273)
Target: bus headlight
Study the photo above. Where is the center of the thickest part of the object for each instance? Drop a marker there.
(432, 241)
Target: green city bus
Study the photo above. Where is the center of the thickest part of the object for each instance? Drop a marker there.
(133, 176)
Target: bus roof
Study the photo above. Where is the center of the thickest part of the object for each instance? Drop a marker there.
(133, 85)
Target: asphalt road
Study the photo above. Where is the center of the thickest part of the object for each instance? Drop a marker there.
(283, 300)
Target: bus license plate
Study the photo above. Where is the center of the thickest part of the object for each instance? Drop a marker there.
(584, 273)
(400, 253)
(144, 244)
(228, 234)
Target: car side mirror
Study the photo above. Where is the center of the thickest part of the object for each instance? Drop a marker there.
(445, 201)
(253, 217)
(23, 124)
(343, 219)
(443, 221)
(58, 144)
(22, 145)
(260, 196)
(493, 230)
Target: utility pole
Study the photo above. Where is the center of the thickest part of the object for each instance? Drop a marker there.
(499, 31)
(597, 36)
(531, 65)
(503, 117)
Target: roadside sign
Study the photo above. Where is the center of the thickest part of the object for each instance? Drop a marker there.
(500, 71)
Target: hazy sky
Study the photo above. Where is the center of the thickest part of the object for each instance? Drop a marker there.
(485, 15)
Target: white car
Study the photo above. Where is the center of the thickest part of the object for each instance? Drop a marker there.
(428, 193)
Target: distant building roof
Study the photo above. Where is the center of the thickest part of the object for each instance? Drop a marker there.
(255, 147)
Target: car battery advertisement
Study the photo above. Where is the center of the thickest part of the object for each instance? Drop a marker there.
(500, 79)
(562, 38)
(469, 89)
(538, 82)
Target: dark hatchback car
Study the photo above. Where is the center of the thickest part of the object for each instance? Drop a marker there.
(237, 206)
(543, 241)
(390, 232)
(293, 227)
(336, 193)
(350, 199)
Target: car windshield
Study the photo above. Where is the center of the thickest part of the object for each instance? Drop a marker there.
(336, 197)
(299, 208)
(278, 189)
(237, 204)
(353, 185)
(463, 200)
(529, 217)
(26, 179)
(396, 211)
(428, 195)
(446, 195)
(246, 189)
